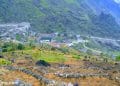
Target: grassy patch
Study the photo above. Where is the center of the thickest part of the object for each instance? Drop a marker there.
(4, 62)
(48, 56)
(76, 56)
(118, 58)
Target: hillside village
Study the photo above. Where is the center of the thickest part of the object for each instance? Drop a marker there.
(59, 42)
(14, 31)
(22, 33)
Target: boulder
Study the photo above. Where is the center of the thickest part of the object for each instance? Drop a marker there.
(1, 56)
(76, 84)
(42, 63)
(21, 83)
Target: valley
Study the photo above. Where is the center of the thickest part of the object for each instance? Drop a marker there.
(47, 65)
(59, 43)
(23, 34)
(63, 73)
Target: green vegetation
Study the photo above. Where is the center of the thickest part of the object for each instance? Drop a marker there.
(20, 47)
(48, 56)
(18, 37)
(106, 25)
(77, 56)
(19, 11)
(118, 58)
(39, 52)
(4, 62)
(10, 46)
(50, 16)
(43, 52)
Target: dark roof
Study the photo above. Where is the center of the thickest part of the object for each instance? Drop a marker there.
(46, 38)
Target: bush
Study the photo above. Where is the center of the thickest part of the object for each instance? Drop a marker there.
(4, 50)
(118, 58)
(4, 62)
(42, 63)
(9, 46)
(76, 56)
(20, 47)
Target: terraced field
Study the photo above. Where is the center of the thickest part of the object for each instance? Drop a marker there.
(71, 72)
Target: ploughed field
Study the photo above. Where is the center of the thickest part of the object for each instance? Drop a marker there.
(69, 73)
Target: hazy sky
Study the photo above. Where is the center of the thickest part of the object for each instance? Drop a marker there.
(117, 1)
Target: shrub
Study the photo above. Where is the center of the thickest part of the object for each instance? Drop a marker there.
(42, 63)
(118, 58)
(4, 62)
(20, 47)
(76, 56)
(4, 50)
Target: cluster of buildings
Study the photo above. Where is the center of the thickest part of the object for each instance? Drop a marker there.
(51, 40)
(10, 31)
(21, 31)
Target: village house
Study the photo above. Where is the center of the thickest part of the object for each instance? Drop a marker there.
(58, 45)
(45, 38)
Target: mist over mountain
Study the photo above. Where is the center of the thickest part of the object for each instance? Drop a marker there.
(86, 17)
(107, 6)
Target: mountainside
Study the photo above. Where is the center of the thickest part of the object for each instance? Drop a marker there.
(59, 43)
(64, 16)
(108, 6)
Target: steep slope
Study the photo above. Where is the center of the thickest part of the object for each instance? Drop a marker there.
(108, 6)
(64, 16)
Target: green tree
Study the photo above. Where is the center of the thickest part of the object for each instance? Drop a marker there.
(20, 46)
(118, 58)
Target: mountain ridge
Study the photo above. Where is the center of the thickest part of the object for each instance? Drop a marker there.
(63, 16)
(108, 6)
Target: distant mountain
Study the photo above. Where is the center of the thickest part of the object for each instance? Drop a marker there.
(108, 6)
(86, 17)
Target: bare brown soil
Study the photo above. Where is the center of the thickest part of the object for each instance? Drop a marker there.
(70, 66)
(13, 75)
